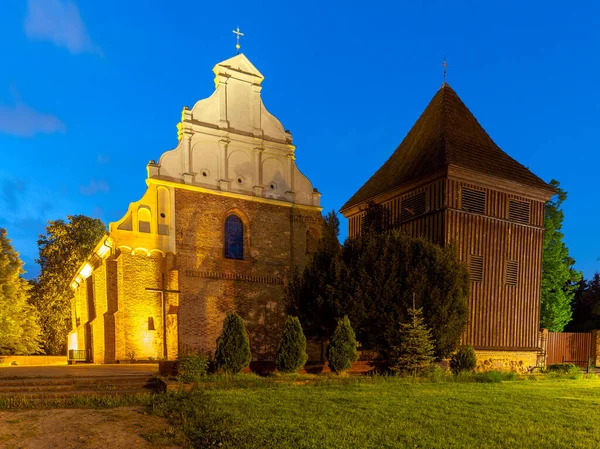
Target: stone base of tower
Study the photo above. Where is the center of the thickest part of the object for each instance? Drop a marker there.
(511, 360)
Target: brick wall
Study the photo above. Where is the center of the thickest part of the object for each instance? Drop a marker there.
(275, 239)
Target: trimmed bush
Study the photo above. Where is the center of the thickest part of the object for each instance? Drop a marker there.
(341, 352)
(233, 346)
(291, 352)
(463, 360)
(563, 368)
(191, 367)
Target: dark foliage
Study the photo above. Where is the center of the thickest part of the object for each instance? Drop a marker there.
(341, 352)
(233, 346)
(376, 219)
(463, 360)
(291, 352)
(191, 367)
(379, 275)
(563, 368)
(586, 306)
(312, 295)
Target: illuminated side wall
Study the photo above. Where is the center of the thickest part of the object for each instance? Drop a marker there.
(138, 320)
(276, 237)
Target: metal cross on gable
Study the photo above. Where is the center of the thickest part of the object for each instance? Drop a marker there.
(445, 65)
(238, 34)
(162, 290)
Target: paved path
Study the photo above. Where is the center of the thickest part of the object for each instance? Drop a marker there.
(81, 370)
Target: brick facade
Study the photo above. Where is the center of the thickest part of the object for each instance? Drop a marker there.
(276, 238)
(117, 319)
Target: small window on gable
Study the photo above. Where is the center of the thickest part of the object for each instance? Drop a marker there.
(518, 211)
(476, 268)
(473, 201)
(144, 219)
(412, 207)
(234, 238)
(511, 275)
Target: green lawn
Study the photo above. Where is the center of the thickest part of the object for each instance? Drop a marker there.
(388, 413)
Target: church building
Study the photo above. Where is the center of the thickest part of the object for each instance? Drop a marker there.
(226, 217)
(449, 182)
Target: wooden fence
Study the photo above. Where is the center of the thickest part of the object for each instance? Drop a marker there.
(569, 347)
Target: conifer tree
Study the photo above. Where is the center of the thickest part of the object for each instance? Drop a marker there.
(559, 279)
(414, 353)
(341, 352)
(233, 345)
(291, 352)
(19, 330)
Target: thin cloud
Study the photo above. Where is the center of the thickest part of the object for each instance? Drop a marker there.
(94, 187)
(22, 120)
(59, 22)
(103, 159)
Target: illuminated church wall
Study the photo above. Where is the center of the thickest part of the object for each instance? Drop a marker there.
(233, 158)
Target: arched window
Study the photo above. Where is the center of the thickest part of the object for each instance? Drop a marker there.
(234, 238)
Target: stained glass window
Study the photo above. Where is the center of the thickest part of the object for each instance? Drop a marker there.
(234, 238)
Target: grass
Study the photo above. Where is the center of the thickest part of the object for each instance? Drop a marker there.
(99, 401)
(385, 412)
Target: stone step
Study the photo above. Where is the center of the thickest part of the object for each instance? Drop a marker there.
(32, 381)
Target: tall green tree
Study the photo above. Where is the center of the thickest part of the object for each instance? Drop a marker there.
(559, 278)
(19, 330)
(380, 272)
(64, 247)
(312, 295)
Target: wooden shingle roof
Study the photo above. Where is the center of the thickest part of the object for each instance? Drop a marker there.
(446, 134)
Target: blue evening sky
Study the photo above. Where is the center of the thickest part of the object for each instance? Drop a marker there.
(90, 91)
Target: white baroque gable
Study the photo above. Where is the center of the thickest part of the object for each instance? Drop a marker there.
(230, 142)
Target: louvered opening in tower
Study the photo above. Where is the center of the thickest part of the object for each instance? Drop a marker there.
(518, 211)
(412, 207)
(512, 272)
(473, 201)
(476, 268)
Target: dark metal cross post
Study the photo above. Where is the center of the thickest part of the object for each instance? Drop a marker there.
(162, 290)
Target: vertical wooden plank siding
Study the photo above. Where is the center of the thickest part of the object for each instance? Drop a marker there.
(569, 347)
(501, 316)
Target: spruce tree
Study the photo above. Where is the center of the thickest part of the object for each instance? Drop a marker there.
(414, 353)
(341, 352)
(291, 352)
(559, 279)
(233, 345)
(19, 329)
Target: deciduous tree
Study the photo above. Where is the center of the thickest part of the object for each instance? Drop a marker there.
(559, 278)
(19, 330)
(64, 247)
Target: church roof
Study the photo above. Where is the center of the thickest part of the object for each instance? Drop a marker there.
(446, 134)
